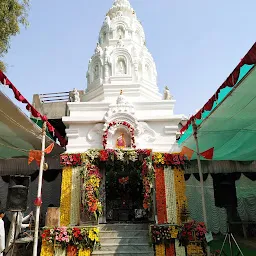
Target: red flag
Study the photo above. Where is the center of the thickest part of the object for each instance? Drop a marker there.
(208, 154)
(49, 149)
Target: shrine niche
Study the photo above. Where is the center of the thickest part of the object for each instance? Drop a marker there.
(121, 67)
(119, 134)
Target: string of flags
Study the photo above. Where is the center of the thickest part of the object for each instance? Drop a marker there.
(208, 154)
(37, 154)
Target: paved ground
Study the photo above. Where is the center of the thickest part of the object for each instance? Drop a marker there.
(248, 247)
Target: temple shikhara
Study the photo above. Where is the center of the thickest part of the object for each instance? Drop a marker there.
(121, 173)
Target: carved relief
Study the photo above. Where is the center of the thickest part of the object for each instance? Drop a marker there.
(95, 134)
(145, 133)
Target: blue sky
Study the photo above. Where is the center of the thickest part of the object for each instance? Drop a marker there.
(196, 44)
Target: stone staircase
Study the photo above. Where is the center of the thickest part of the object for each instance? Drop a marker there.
(124, 240)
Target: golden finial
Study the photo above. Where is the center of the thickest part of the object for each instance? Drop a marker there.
(121, 92)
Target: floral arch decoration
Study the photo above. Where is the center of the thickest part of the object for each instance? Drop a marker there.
(116, 124)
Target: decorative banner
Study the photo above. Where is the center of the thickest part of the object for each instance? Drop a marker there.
(208, 154)
(187, 151)
(37, 154)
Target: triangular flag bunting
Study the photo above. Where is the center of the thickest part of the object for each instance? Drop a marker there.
(49, 149)
(187, 151)
(208, 154)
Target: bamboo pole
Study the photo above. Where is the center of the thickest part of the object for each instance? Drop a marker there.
(39, 191)
(201, 180)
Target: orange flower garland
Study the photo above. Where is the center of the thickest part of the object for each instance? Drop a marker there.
(160, 195)
(65, 200)
(180, 188)
(160, 250)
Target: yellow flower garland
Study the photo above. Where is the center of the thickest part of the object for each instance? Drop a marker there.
(47, 250)
(180, 189)
(160, 250)
(86, 252)
(65, 200)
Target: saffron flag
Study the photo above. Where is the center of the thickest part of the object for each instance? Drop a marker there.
(49, 149)
(37, 154)
(208, 154)
(34, 155)
(187, 151)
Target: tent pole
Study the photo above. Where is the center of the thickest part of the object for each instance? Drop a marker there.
(39, 191)
(201, 179)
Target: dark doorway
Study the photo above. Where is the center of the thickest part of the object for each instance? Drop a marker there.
(124, 194)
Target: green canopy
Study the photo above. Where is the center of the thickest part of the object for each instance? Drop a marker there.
(230, 126)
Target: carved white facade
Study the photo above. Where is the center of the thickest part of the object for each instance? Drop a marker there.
(121, 61)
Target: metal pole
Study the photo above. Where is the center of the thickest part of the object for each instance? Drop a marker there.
(39, 191)
(201, 180)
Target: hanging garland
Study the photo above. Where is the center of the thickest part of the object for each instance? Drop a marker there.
(65, 200)
(90, 190)
(160, 196)
(116, 124)
(180, 187)
(170, 195)
(160, 250)
(47, 249)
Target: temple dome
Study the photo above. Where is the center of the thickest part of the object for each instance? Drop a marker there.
(121, 59)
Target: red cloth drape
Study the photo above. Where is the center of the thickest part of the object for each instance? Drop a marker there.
(249, 59)
(18, 96)
(170, 250)
(160, 196)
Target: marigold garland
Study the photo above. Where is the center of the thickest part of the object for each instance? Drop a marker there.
(86, 252)
(180, 189)
(160, 195)
(46, 250)
(65, 200)
(160, 250)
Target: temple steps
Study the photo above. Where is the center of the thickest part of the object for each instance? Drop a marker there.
(124, 240)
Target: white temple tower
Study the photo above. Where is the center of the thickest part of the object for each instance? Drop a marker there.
(121, 61)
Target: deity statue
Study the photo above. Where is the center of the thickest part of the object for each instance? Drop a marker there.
(120, 141)
(98, 49)
(167, 94)
(75, 97)
(107, 20)
(96, 72)
(121, 67)
(120, 33)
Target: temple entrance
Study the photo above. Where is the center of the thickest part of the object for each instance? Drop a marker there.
(124, 194)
